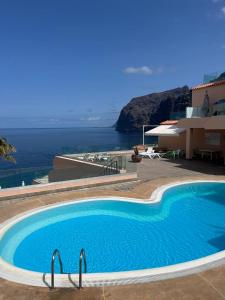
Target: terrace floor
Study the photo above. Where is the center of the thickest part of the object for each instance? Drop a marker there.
(150, 169)
(209, 284)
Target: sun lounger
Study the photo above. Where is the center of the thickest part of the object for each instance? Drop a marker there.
(149, 150)
(91, 158)
(152, 154)
(102, 157)
(158, 155)
(147, 153)
(80, 157)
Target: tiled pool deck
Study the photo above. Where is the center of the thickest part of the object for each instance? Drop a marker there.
(152, 174)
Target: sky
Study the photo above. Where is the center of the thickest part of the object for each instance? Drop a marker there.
(75, 63)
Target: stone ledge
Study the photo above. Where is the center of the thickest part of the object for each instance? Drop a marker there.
(32, 190)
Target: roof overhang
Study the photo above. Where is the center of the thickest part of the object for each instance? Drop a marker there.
(215, 122)
(208, 85)
(192, 123)
(209, 123)
(165, 130)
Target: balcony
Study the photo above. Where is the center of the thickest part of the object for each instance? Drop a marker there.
(217, 109)
(194, 112)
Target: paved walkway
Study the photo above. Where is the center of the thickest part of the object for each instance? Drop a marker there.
(206, 285)
(150, 169)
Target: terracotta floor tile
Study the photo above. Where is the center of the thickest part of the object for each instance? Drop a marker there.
(11, 291)
(216, 277)
(191, 288)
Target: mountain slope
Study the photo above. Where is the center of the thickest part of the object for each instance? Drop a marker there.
(152, 109)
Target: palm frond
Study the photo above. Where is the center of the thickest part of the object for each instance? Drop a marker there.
(6, 149)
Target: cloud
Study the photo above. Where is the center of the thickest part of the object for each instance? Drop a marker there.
(216, 1)
(223, 9)
(160, 70)
(223, 46)
(91, 119)
(138, 70)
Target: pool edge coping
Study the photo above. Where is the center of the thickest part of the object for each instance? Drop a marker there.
(18, 275)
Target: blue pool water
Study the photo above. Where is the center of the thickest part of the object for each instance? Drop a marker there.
(189, 223)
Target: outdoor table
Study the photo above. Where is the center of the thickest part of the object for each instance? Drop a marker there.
(209, 151)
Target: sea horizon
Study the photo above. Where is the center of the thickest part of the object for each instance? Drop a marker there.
(37, 147)
(4, 128)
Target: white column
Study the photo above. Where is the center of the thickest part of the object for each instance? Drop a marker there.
(189, 151)
(143, 133)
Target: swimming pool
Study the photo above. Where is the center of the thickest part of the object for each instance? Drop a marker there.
(124, 239)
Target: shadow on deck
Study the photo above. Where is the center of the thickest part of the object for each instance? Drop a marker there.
(158, 168)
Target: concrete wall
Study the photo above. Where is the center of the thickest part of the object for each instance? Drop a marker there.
(214, 122)
(172, 142)
(192, 122)
(215, 93)
(69, 169)
(49, 188)
(197, 127)
(198, 141)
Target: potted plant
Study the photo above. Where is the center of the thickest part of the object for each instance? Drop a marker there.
(136, 157)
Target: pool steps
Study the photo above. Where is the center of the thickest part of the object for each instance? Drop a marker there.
(54, 255)
(82, 258)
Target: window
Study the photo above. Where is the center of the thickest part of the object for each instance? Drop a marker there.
(212, 138)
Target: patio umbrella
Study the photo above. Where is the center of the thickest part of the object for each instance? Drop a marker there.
(205, 104)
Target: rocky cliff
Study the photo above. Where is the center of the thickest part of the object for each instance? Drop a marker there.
(153, 109)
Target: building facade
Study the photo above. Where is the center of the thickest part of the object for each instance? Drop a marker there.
(203, 129)
(205, 121)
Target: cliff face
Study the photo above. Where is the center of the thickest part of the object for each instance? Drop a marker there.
(152, 109)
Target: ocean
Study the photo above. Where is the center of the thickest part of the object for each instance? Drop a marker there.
(36, 149)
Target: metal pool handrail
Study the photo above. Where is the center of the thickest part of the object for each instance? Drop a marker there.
(82, 256)
(55, 253)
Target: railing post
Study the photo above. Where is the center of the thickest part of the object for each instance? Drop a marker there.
(120, 163)
(55, 253)
(116, 163)
(82, 256)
